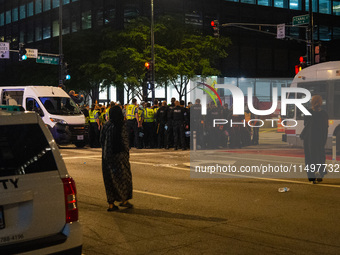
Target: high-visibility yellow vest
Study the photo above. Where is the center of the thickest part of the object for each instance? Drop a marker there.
(140, 112)
(149, 115)
(130, 112)
(92, 115)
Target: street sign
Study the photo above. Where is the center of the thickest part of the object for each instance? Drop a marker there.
(48, 60)
(4, 50)
(281, 31)
(31, 53)
(301, 20)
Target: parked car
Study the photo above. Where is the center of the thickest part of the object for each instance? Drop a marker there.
(38, 198)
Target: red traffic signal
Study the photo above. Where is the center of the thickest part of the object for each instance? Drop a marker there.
(213, 23)
(147, 65)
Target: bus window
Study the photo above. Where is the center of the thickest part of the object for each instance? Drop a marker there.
(315, 88)
(336, 101)
(291, 107)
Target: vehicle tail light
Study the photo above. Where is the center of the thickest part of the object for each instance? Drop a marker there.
(70, 200)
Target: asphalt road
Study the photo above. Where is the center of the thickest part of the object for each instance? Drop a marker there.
(175, 213)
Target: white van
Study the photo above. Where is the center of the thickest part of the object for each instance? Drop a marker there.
(59, 112)
(38, 201)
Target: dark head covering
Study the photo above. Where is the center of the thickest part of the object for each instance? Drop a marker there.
(116, 116)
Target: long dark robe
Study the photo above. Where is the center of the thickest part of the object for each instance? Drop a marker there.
(315, 137)
(115, 163)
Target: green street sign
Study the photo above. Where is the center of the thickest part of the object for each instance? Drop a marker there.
(301, 20)
(48, 60)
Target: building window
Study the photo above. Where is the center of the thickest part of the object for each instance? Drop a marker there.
(55, 3)
(66, 22)
(86, 19)
(15, 14)
(2, 19)
(22, 36)
(30, 9)
(46, 29)
(99, 17)
(55, 28)
(314, 4)
(232, 0)
(38, 6)
(74, 1)
(109, 16)
(47, 5)
(264, 2)
(66, 1)
(325, 6)
(38, 32)
(8, 17)
(30, 32)
(22, 11)
(336, 8)
(295, 5)
(281, 3)
(248, 1)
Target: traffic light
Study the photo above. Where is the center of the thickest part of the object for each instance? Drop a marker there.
(320, 54)
(303, 64)
(66, 76)
(22, 52)
(149, 72)
(216, 28)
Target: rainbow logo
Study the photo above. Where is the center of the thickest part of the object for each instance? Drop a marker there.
(213, 93)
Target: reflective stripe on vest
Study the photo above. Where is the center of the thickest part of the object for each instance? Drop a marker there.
(130, 112)
(149, 115)
(92, 115)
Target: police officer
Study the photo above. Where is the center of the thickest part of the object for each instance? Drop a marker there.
(161, 119)
(196, 123)
(179, 116)
(149, 126)
(132, 123)
(94, 127)
(169, 133)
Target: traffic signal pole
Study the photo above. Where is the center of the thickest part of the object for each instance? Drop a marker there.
(152, 54)
(310, 31)
(61, 56)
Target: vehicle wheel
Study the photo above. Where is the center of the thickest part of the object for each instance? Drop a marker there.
(80, 144)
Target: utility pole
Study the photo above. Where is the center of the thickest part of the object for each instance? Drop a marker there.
(310, 31)
(61, 56)
(152, 53)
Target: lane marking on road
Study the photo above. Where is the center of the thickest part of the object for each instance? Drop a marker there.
(156, 194)
(234, 175)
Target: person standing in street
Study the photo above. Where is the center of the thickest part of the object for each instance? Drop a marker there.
(115, 161)
(94, 128)
(179, 115)
(314, 137)
(169, 133)
(133, 123)
(161, 119)
(149, 126)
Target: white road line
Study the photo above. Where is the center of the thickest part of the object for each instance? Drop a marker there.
(156, 194)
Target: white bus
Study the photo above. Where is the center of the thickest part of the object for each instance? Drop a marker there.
(322, 79)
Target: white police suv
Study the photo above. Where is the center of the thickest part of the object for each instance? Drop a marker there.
(38, 200)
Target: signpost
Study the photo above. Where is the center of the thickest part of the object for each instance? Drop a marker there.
(4, 50)
(301, 20)
(281, 31)
(31, 53)
(48, 60)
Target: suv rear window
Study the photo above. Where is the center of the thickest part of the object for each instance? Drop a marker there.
(24, 150)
